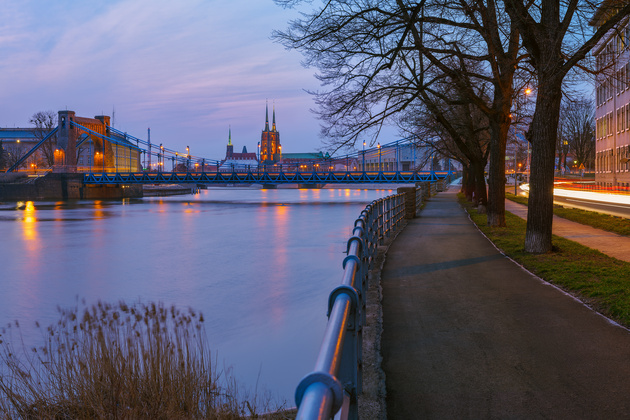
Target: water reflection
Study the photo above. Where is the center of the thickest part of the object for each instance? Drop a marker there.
(29, 223)
(258, 263)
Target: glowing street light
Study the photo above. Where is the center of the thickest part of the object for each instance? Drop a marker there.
(379, 156)
(363, 155)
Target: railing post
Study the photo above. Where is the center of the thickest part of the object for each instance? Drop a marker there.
(410, 201)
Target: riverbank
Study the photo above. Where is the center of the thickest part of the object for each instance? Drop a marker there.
(60, 186)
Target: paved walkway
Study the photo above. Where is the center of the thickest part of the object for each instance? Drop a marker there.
(469, 334)
(609, 243)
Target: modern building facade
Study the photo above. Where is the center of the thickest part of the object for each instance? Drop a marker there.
(612, 100)
(16, 142)
(401, 157)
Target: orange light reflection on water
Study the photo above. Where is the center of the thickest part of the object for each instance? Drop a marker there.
(278, 286)
(29, 225)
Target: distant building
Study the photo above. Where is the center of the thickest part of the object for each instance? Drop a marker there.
(237, 160)
(612, 97)
(89, 151)
(270, 148)
(402, 157)
(306, 162)
(16, 142)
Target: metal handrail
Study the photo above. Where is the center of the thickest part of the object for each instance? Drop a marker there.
(335, 382)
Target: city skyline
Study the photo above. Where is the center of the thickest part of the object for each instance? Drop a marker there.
(188, 71)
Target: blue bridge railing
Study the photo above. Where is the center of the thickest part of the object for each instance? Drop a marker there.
(262, 177)
(336, 382)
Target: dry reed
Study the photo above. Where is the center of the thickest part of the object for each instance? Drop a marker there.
(120, 362)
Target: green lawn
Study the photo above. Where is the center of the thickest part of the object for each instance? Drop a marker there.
(597, 279)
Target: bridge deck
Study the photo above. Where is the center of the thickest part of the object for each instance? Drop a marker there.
(261, 177)
(469, 334)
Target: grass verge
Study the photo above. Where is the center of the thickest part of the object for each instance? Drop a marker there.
(614, 224)
(121, 361)
(600, 281)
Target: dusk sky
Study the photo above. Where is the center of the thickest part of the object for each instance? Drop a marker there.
(188, 69)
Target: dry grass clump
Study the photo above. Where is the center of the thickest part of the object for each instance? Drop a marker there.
(118, 361)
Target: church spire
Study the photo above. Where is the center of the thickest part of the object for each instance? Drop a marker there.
(273, 127)
(230, 136)
(267, 116)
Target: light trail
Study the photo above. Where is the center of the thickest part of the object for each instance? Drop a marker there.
(588, 195)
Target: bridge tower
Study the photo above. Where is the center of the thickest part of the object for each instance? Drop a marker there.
(65, 152)
(270, 148)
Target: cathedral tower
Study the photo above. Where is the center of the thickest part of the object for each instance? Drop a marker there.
(270, 149)
(230, 147)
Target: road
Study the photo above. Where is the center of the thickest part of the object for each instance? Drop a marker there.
(613, 204)
(615, 209)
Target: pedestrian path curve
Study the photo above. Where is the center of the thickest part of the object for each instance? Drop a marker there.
(469, 334)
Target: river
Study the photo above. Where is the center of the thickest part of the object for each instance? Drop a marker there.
(258, 263)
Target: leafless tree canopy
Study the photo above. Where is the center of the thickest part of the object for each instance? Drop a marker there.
(3, 160)
(44, 122)
(577, 120)
(557, 37)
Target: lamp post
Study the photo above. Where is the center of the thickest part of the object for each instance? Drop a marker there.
(161, 159)
(363, 155)
(379, 156)
(188, 159)
(515, 177)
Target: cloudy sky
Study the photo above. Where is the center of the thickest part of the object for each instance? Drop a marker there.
(187, 69)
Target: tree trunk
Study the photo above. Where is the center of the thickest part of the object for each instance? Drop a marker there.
(468, 186)
(544, 128)
(481, 195)
(496, 173)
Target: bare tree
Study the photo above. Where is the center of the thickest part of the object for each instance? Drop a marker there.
(555, 35)
(578, 130)
(450, 124)
(14, 153)
(3, 160)
(562, 147)
(376, 58)
(44, 122)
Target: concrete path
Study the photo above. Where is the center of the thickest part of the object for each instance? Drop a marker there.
(609, 243)
(468, 334)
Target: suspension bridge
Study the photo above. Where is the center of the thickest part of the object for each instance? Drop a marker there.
(107, 156)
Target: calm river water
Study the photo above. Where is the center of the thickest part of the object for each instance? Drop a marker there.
(259, 264)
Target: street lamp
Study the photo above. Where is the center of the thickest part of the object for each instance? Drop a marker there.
(363, 155)
(161, 158)
(379, 156)
(188, 158)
